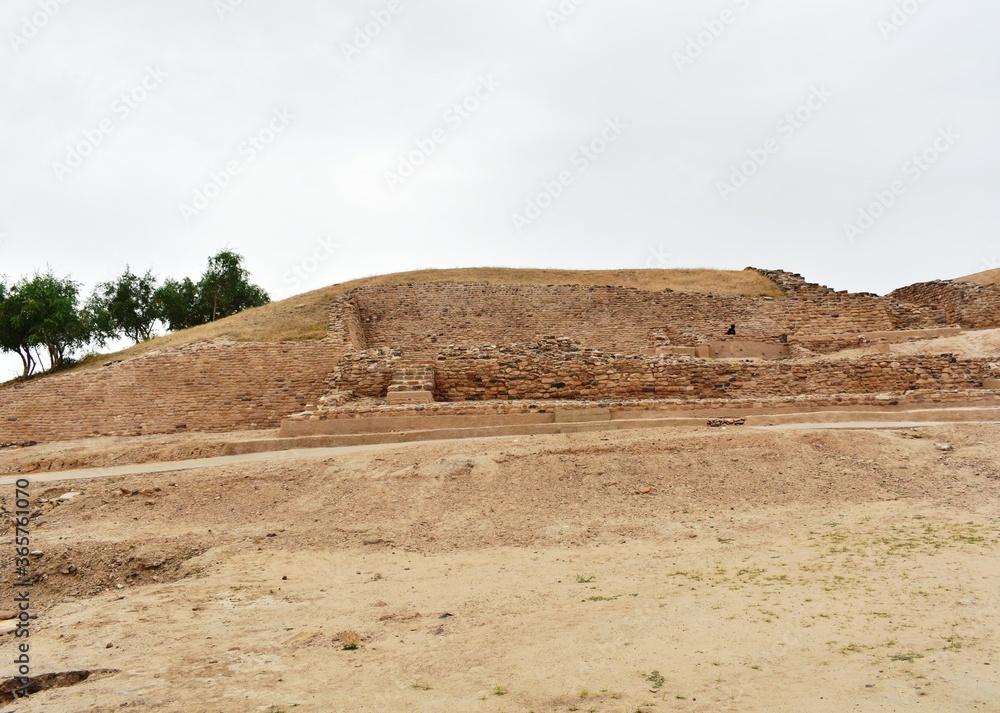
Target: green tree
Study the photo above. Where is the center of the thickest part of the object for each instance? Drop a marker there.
(125, 306)
(178, 304)
(44, 312)
(15, 333)
(225, 288)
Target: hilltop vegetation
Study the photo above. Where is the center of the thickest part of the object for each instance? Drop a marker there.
(43, 319)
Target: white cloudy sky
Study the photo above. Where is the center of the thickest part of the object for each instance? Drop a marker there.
(217, 75)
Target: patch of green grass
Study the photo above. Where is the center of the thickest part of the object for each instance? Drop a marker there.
(655, 678)
(909, 657)
(499, 690)
(580, 579)
(601, 598)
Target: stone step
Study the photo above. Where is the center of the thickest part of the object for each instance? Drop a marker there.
(411, 384)
(409, 397)
(582, 415)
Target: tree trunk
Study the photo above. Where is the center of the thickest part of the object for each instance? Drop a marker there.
(27, 362)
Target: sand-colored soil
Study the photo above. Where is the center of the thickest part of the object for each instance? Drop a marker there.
(754, 570)
(971, 344)
(974, 344)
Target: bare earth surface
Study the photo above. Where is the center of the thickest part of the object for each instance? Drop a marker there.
(682, 569)
(109, 451)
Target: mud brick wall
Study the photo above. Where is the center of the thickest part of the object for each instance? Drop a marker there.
(968, 304)
(793, 284)
(835, 313)
(421, 319)
(916, 316)
(346, 328)
(213, 386)
(367, 373)
(550, 370)
(834, 343)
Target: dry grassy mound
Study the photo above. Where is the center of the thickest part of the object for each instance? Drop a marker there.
(990, 277)
(306, 316)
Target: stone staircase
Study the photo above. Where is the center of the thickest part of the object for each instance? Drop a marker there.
(411, 384)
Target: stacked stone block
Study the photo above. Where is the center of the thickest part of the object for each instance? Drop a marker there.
(411, 384)
(969, 304)
(547, 371)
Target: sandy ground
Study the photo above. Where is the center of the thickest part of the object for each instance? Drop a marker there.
(687, 569)
(971, 344)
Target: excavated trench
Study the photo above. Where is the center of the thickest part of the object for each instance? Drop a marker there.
(10, 687)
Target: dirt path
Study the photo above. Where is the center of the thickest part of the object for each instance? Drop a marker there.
(309, 453)
(202, 463)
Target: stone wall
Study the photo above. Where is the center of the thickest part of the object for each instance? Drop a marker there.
(968, 304)
(498, 342)
(793, 284)
(213, 386)
(561, 369)
(347, 328)
(420, 319)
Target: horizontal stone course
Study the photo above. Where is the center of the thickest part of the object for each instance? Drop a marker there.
(550, 370)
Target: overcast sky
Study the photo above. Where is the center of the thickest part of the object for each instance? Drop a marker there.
(854, 141)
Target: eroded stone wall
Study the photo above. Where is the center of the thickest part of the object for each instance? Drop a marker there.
(560, 369)
(968, 304)
(214, 386)
(420, 319)
(490, 342)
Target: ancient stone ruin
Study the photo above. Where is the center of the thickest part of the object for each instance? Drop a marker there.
(481, 349)
(483, 343)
